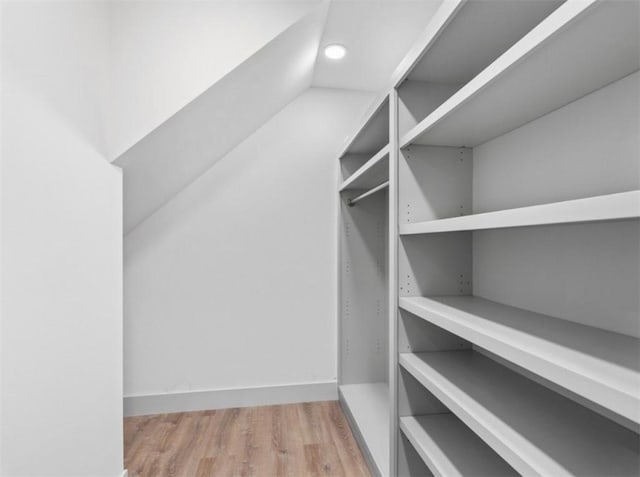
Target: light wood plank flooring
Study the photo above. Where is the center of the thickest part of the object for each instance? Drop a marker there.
(309, 439)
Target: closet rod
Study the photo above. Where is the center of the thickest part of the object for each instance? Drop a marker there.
(357, 199)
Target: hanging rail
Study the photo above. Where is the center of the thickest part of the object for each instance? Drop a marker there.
(357, 199)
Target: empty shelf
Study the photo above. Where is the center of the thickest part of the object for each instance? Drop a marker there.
(373, 131)
(449, 448)
(556, 63)
(372, 173)
(623, 205)
(368, 408)
(600, 365)
(462, 41)
(537, 431)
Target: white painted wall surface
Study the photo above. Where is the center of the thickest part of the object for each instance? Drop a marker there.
(166, 53)
(61, 340)
(232, 283)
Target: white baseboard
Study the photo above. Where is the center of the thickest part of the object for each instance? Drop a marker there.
(229, 398)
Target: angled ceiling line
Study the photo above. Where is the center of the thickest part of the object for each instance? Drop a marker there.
(174, 154)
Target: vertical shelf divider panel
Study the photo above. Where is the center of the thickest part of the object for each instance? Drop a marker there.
(363, 327)
(393, 279)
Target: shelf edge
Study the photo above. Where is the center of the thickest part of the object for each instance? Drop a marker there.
(542, 33)
(362, 170)
(602, 393)
(618, 206)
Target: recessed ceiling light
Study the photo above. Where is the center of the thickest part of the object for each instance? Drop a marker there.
(335, 51)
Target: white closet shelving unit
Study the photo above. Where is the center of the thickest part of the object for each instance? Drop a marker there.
(363, 277)
(518, 247)
(513, 169)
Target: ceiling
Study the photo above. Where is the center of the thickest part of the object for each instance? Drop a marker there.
(178, 151)
(164, 53)
(377, 34)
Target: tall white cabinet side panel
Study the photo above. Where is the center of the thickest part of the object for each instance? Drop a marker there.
(393, 279)
(363, 291)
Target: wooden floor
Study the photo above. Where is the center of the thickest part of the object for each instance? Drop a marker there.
(310, 439)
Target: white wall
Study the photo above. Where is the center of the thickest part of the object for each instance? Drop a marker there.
(61, 341)
(232, 283)
(165, 53)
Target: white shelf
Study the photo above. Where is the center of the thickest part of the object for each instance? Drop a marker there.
(373, 131)
(372, 173)
(582, 46)
(470, 42)
(600, 365)
(535, 430)
(623, 205)
(451, 449)
(368, 405)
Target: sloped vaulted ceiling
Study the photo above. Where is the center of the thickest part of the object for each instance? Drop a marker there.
(192, 140)
(164, 53)
(377, 33)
